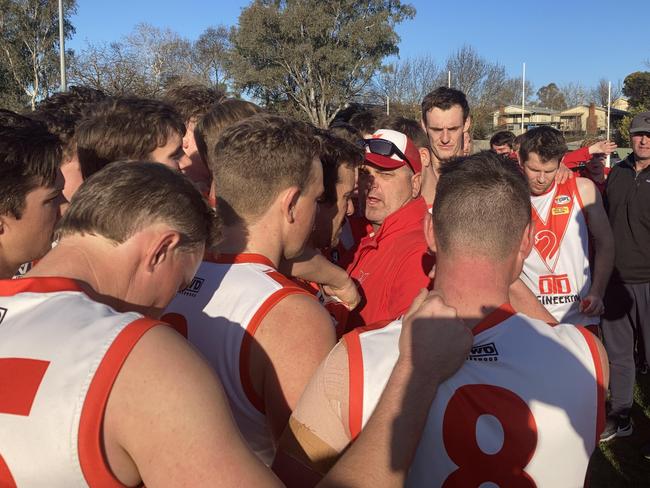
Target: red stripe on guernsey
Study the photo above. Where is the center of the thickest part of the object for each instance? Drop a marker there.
(243, 258)
(504, 312)
(91, 456)
(21, 377)
(48, 284)
(247, 341)
(355, 372)
(600, 384)
(6, 480)
(549, 232)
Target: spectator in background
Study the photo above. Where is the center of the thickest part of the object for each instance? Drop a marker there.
(366, 122)
(192, 101)
(595, 169)
(502, 142)
(627, 300)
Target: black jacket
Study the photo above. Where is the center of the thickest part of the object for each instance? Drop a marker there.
(627, 200)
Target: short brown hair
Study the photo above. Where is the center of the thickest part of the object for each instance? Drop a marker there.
(482, 206)
(548, 143)
(124, 128)
(125, 197)
(257, 158)
(445, 98)
(212, 124)
(407, 126)
(336, 152)
(29, 157)
(192, 100)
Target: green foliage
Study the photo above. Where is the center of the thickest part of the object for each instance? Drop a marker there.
(623, 132)
(550, 96)
(637, 87)
(313, 55)
(29, 43)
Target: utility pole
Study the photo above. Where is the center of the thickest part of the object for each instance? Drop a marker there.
(64, 83)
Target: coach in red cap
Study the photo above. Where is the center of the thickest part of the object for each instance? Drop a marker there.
(391, 264)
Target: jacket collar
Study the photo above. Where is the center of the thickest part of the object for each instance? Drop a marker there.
(406, 218)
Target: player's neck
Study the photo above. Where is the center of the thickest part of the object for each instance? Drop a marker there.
(258, 238)
(93, 267)
(474, 287)
(7, 269)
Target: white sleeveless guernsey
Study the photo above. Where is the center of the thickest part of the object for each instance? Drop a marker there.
(524, 410)
(222, 308)
(557, 268)
(60, 353)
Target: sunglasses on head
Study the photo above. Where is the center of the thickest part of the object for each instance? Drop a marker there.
(386, 148)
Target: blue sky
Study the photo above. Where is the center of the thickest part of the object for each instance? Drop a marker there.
(560, 41)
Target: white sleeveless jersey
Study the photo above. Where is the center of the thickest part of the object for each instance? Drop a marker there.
(557, 268)
(222, 308)
(60, 353)
(525, 409)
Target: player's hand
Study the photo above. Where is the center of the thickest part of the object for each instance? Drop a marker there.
(434, 341)
(602, 147)
(563, 174)
(592, 305)
(347, 293)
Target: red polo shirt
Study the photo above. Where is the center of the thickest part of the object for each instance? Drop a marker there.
(391, 265)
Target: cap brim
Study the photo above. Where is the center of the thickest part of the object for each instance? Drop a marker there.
(639, 129)
(383, 162)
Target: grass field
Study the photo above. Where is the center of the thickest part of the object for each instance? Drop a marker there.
(619, 463)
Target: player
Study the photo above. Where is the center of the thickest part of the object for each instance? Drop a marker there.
(564, 214)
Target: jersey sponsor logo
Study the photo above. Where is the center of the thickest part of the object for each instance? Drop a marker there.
(3, 312)
(554, 285)
(549, 232)
(484, 352)
(562, 199)
(557, 299)
(193, 288)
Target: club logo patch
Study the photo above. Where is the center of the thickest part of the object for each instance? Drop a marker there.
(562, 199)
(560, 210)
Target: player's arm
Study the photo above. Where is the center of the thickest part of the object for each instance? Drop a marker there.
(167, 421)
(313, 266)
(603, 238)
(523, 300)
(433, 345)
(292, 340)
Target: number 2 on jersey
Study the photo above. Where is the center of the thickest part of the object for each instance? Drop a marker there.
(504, 468)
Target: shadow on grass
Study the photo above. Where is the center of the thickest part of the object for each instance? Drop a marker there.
(619, 463)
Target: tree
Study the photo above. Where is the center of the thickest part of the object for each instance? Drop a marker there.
(601, 91)
(486, 85)
(210, 55)
(550, 96)
(406, 82)
(575, 94)
(313, 56)
(636, 86)
(29, 43)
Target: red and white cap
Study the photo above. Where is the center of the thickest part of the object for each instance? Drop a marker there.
(403, 143)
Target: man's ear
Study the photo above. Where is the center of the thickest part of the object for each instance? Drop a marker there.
(288, 201)
(425, 157)
(527, 241)
(416, 185)
(429, 233)
(467, 124)
(162, 246)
